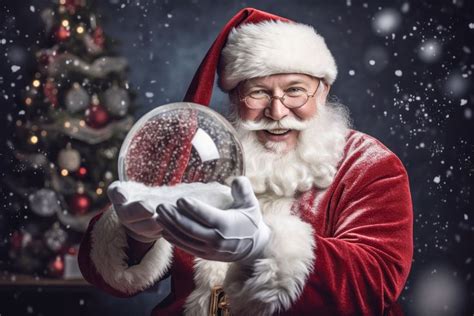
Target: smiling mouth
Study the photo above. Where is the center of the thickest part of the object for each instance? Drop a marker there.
(278, 131)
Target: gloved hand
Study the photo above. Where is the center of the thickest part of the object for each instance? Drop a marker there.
(138, 217)
(235, 234)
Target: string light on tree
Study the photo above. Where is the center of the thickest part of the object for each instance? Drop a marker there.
(82, 172)
(34, 139)
(56, 267)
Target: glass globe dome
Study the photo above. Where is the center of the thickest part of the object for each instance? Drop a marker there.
(180, 143)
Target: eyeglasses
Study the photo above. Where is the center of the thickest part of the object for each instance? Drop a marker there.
(293, 98)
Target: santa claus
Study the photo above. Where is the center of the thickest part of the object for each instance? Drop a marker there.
(320, 225)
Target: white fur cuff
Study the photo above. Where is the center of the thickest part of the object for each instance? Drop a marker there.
(109, 243)
(274, 282)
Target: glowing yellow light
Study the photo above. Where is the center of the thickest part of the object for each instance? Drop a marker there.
(36, 83)
(65, 23)
(82, 123)
(67, 124)
(80, 29)
(33, 139)
(99, 191)
(64, 172)
(28, 101)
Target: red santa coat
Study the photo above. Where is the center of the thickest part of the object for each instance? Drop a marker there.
(343, 250)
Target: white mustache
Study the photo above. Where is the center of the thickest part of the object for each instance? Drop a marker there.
(267, 124)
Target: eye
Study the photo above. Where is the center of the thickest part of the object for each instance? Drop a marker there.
(295, 91)
(259, 94)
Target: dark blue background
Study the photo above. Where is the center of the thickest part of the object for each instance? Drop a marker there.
(424, 115)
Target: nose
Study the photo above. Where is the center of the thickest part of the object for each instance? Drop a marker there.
(276, 110)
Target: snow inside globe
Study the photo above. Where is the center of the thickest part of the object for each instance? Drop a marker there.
(180, 143)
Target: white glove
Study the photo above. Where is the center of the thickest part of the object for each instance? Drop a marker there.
(135, 203)
(137, 216)
(234, 234)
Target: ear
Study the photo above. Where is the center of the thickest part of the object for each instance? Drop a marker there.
(323, 92)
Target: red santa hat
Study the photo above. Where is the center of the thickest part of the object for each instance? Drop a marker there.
(255, 43)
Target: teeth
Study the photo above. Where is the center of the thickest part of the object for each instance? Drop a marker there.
(278, 131)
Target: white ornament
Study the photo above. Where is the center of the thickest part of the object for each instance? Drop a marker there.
(44, 202)
(117, 101)
(55, 237)
(69, 159)
(77, 99)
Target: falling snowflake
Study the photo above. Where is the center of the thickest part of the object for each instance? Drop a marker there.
(386, 21)
(430, 51)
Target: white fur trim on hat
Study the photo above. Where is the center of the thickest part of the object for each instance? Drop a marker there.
(273, 47)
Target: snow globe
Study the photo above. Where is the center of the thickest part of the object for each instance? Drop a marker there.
(180, 143)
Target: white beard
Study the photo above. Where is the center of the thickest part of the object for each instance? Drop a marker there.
(313, 162)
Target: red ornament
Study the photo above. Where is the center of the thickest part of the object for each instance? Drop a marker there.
(19, 240)
(51, 92)
(16, 240)
(56, 267)
(80, 203)
(72, 6)
(98, 37)
(44, 58)
(62, 33)
(97, 116)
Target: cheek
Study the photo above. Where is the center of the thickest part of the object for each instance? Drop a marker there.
(249, 115)
(306, 112)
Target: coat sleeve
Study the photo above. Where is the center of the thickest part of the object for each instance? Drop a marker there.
(103, 258)
(359, 268)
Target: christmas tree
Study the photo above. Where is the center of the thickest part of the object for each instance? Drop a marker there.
(68, 131)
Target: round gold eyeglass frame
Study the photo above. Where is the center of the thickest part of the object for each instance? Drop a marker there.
(282, 99)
